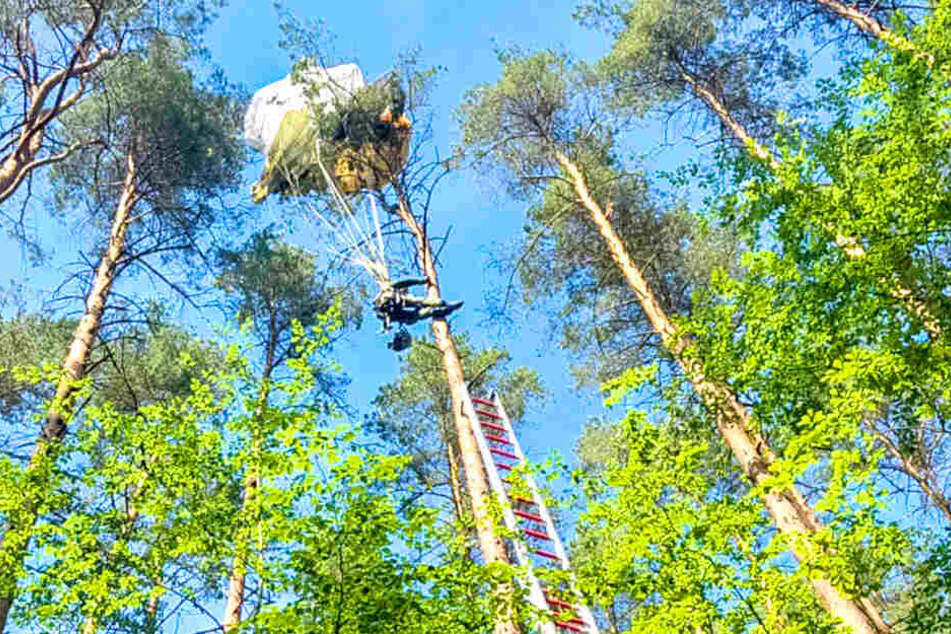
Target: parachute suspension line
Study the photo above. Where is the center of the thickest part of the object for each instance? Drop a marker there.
(360, 238)
(357, 236)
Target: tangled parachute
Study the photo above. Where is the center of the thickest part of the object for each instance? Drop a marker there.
(326, 130)
(321, 121)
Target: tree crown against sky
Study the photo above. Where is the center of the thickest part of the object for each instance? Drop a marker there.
(272, 285)
(515, 126)
(183, 137)
(546, 103)
(52, 55)
(846, 380)
(413, 413)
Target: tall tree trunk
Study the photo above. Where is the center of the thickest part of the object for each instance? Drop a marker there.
(14, 167)
(726, 117)
(849, 244)
(455, 483)
(74, 366)
(871, 26)
(91, 623)
(23, 161)
(854, 250)
(790, 511)
(239, 567)
(47, 99)
(493, 549)
(151, 615)
(252, 487)
(866, 23)
(16, 538)
(458, 493)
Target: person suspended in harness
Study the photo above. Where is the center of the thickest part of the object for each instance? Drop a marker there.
(394, 304)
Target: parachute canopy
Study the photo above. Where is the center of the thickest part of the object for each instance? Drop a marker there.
(322, 121)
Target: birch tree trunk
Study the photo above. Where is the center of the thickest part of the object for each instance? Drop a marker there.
(493, 549)
(16, 538)
(790, 511)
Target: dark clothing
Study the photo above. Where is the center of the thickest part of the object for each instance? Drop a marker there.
(401, 341)
(395, 304)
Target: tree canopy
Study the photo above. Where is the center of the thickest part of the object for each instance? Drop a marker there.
(724, 229)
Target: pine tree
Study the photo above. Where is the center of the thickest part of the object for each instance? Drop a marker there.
(529, 123)
(45, 77)
(414, 415)
(274, 287)
(663, 50)
(167, 144)
(407, 199)
(662, 42)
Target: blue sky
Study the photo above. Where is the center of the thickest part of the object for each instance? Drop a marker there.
(462, 37)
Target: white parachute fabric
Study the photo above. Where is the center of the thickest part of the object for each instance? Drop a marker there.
(269, 104)
(352, 227)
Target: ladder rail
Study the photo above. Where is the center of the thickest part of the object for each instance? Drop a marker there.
(532, 486)
(535, 593)
(582, 609)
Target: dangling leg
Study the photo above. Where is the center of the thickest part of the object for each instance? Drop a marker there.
(442, 309)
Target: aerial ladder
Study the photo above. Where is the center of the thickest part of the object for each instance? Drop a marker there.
(539, 546)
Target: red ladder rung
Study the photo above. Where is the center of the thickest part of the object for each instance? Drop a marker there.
(529, 516)
(502, 452)
(560, 616)
(537, 534)
(559, 603)
(490, 418)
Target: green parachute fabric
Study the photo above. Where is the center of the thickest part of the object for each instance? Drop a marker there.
(358, 132)
(292, 161)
